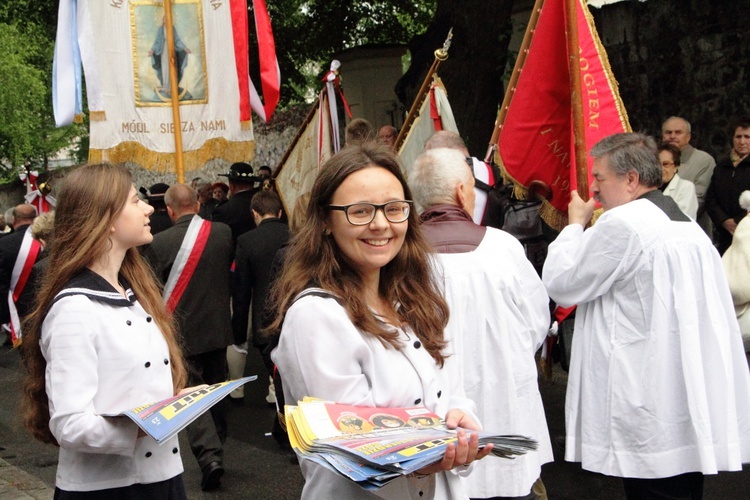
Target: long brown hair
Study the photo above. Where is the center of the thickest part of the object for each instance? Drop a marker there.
(90, 199)
(408, 280)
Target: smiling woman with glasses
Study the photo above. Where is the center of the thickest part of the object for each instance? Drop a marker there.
(360, 316)
(361, 214)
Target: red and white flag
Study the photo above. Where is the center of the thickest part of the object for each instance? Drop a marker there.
(536, 139)
(434, 115)
(270, 76)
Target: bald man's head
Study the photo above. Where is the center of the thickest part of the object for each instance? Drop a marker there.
(181, 200)
(446, 139)
(23, 215)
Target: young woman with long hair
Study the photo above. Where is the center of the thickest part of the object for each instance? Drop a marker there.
(361, 316)
(98, 342)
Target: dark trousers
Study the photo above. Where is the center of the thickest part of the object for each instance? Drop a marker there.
(171, 489)
(530, 496)
(207, 433)
(685, 486)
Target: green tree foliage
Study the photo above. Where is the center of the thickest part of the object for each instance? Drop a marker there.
(27, 131)
(309, 32)
(37, 14)
(21, 94)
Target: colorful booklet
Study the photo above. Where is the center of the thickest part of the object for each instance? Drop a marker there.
(373, 446)
(163, 419)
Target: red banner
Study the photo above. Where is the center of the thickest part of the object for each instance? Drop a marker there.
(270, 78)
(536, 140)
(241, 51)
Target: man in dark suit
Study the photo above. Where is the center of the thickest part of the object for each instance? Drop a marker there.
(202, 313)
(255, 253)
(236, 211)
(10, 246)
(159, 220)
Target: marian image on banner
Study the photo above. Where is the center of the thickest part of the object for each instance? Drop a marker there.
(151, 57)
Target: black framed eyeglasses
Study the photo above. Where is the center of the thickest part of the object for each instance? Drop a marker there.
(361, 214)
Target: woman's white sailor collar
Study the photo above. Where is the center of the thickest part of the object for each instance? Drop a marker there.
(93, 286)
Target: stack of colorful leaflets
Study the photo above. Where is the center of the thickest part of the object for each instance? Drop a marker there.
(163, 419)
(373, 446)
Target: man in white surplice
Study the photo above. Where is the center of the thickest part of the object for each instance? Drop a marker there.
(658, 388)
(499, 317)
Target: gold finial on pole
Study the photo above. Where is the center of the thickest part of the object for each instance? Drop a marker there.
(441, 54)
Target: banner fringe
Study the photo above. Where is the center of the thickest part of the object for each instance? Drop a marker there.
(552, 216)
(218, 148)
(614, 86)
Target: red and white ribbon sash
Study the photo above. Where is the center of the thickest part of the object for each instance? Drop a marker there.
(27, 255)
(186, 261)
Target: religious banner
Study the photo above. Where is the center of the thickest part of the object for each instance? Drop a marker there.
(122, 47)
(435, 114)
(311, 147)
(536, 141)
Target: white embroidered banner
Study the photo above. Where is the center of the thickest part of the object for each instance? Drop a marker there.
(310, 149)
(424, 125)
(122, 47)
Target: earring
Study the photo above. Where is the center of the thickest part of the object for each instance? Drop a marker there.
(326, 232)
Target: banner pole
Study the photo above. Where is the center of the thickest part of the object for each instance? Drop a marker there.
(174, 91)
(517, 68)
(579, 130)
(441, 55)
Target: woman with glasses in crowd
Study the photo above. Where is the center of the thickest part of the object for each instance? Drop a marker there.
(361, 316)
(680, 190)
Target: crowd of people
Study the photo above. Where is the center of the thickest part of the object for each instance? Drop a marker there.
(388, 291)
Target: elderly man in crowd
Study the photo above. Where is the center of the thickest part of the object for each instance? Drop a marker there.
(696, 166)
(499, 316)
(387, 134)
(658, 388)
(486, 174)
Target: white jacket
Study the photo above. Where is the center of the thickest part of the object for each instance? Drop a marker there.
(321, 354)
(736, 261)
(658, 383)
(104, 355)
(683, 193)
(499, 319)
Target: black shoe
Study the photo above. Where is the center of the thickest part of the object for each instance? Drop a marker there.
(212, 476)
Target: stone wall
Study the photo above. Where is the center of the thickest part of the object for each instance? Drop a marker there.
(11, 194)
(681, 57)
